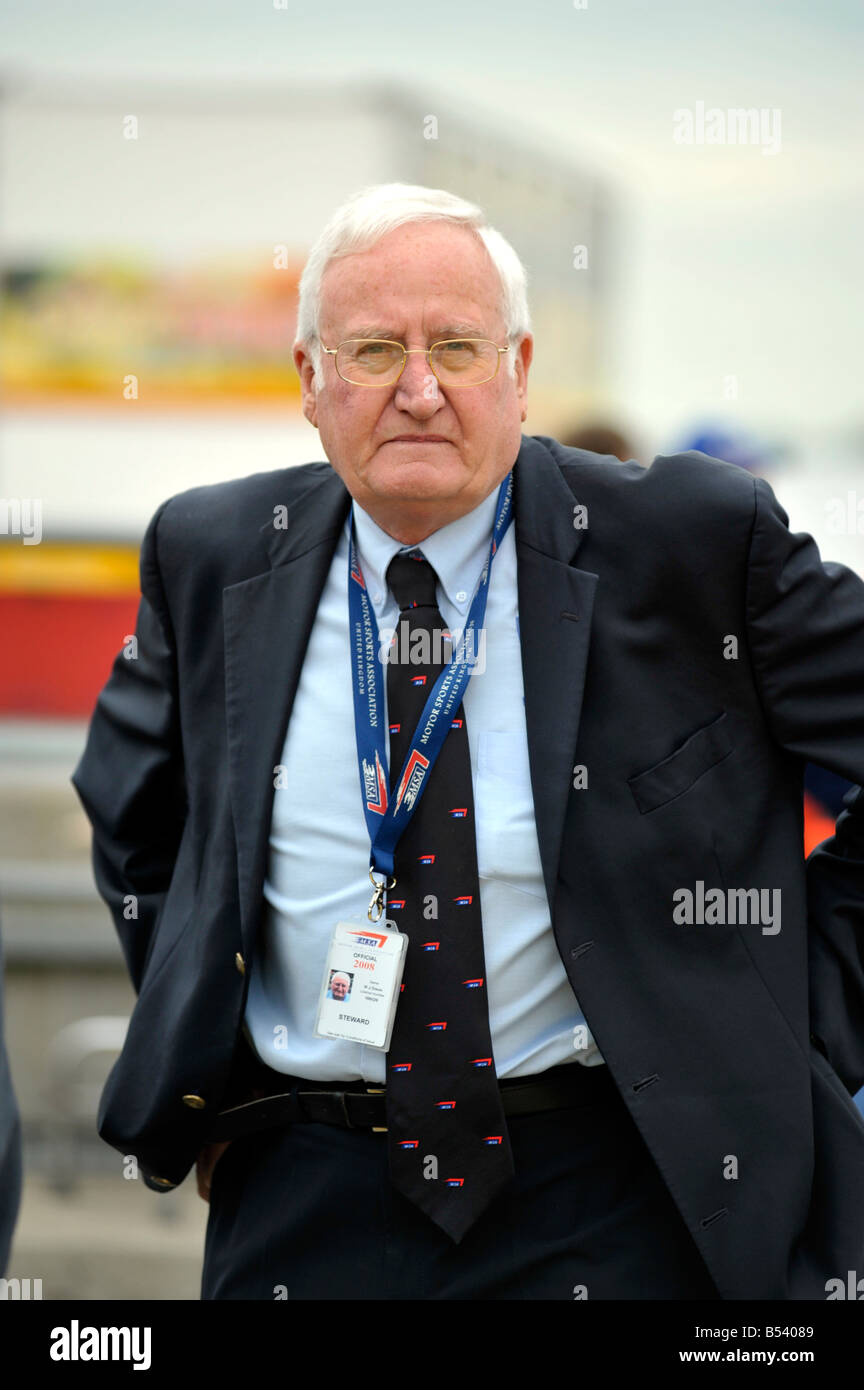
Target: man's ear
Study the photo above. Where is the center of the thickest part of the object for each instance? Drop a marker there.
(308, 387)
(524, 354)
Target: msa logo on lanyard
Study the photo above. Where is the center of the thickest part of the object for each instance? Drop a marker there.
(374, 786)
(412, 780)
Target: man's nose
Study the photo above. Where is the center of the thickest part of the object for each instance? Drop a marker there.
(417, 389)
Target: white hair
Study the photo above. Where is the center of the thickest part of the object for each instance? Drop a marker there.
(376, 210)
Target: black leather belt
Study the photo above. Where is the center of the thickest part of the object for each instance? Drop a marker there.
(557, 1089)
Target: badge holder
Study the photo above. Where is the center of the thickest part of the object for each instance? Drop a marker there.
(362, 978)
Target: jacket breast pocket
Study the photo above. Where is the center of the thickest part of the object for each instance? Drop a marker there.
(677, 773)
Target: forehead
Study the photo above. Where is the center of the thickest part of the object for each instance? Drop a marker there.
(426, 274)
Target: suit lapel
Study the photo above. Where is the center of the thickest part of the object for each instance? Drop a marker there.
(556, 605)
(268, 619)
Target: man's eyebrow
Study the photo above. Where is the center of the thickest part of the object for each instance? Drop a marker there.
(447, 330)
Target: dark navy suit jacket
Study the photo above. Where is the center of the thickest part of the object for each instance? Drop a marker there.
(686, 649)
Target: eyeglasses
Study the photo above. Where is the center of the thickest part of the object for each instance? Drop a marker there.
(380, 362)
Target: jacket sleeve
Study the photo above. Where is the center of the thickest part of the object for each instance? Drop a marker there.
(130, 778)
(805, 621)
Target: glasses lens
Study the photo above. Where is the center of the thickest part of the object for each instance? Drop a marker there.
(465, 361)
(369, 361)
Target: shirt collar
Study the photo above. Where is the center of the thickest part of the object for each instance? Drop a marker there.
(457, 552)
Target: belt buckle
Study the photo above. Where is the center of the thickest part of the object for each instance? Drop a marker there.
(376, 1091)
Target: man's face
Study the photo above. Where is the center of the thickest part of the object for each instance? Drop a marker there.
(339, 986)
(416, 444)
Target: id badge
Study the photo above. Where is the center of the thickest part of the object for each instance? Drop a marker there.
(360, 988)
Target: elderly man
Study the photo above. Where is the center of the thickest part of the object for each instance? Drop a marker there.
(339, 986)
(594, 1048)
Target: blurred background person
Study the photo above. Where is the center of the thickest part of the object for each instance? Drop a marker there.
(599, 437)
(10, 1146)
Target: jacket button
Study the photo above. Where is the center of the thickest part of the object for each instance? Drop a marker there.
(194, 1102)
(240, 963)
(163, 1182)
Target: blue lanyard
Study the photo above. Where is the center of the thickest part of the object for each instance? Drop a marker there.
(385, 818)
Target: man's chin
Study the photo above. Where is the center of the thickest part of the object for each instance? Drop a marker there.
(406, 473)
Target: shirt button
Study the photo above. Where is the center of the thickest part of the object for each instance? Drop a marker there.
(461, 596)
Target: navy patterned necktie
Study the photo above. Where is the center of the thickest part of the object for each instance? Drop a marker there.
(449, 1148)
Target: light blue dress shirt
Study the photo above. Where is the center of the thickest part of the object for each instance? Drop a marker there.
(318, 863)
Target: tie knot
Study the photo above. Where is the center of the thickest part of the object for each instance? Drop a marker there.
(412, 580)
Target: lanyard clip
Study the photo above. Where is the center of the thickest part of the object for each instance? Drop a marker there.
(376, 902)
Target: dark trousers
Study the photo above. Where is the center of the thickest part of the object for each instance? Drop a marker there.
(308, 1212)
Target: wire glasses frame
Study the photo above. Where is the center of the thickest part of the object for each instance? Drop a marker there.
(443, 343)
